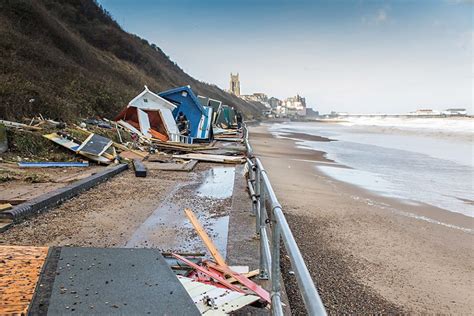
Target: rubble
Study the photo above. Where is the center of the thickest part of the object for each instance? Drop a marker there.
(148, 133)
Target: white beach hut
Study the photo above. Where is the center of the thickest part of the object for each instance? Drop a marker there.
(151, 115)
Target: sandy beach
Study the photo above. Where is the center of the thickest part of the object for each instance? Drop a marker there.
(367, 253)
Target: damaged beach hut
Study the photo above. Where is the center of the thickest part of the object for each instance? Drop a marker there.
(226, 118)
(212, 103)
(198, 116)
(150, 115)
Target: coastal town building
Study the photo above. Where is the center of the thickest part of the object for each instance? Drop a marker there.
(296, 106)
(274, 102)
(234, 84)
(289, 107)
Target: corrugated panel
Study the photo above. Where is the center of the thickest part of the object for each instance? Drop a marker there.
(223, 300)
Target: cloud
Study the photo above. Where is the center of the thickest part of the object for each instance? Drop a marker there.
(381, 16)
(376, 18)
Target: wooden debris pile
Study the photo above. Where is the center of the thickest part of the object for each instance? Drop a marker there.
(213, 284)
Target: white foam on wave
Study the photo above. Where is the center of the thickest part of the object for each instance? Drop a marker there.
(459, 125)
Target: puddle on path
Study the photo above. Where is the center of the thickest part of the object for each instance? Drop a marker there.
(168, 228)
(218, 183)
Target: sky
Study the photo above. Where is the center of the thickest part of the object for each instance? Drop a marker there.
(348, 56)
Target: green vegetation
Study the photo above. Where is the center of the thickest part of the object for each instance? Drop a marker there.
(69, 60)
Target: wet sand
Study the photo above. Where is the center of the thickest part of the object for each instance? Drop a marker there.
(366, 253)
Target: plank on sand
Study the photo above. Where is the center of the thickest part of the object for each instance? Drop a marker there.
(172, 166)
(212, 158)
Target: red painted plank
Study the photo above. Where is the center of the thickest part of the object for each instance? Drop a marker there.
(209, 273)
(254, 287)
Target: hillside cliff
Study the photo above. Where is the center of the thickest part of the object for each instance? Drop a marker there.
(74, 60)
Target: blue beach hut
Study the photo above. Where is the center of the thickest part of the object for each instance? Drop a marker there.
(199, 116)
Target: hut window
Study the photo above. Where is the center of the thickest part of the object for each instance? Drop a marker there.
(184, 93)
(145, 100)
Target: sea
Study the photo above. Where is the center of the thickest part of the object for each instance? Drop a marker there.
(416, 160)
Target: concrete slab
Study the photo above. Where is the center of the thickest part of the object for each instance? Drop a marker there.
(102, 281)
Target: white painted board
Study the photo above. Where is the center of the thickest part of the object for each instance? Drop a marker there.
(144, 122)
(169, 121)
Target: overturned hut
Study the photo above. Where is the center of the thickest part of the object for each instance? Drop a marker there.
(199, 116)
(150, 115)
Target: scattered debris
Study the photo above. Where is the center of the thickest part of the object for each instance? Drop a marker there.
(95, 147)
(215, 276)
(210, 299)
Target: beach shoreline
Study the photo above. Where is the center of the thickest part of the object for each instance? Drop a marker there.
(415, 258)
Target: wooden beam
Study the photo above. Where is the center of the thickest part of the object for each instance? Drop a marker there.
(242, 279)
(205, 237)
(4, 207)
(12, 201)
(248, 275)
(140, 169)
(210, 274)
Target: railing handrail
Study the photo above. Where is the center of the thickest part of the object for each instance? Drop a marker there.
(262, 191)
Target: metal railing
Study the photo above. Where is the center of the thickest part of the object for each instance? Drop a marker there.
(262, 195)
(181, 138)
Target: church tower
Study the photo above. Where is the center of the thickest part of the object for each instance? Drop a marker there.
(235, 84)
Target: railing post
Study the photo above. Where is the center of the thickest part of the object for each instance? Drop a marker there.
(276, 286)
(258, 206)
(262, 223)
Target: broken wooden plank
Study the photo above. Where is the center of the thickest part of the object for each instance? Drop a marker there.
(51, 164)
(205, 237)
(12, 201)
(172, 166)
(130, 155)
(210, 274)
(254, 287)
(20, 125)
(5, 206)
(75, 177)
(248, 275)
(212, 158)
(140, 169)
